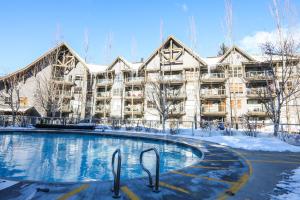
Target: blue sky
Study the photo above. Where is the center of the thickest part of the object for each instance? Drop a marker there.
(28, 28)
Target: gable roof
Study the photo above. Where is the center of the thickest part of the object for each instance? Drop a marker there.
(236, 48)
(131, 66)
(29, 66)
(180, 44)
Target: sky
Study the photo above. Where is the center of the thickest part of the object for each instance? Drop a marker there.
(129, 28)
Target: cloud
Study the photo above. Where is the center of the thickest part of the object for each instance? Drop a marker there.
(252, 43)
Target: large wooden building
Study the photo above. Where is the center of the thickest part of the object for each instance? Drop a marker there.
(215, 88)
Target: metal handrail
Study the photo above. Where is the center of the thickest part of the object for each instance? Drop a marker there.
(116, 187)
(156, 186)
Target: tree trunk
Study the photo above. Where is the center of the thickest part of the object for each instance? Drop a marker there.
(164, 124)
(13, 118)
(276, 129)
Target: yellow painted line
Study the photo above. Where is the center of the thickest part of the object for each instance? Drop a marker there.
(172, 187)
(242, 181)
(129, 193)
(207, 167)
(275, 161)
(203, 177)
(73, 192)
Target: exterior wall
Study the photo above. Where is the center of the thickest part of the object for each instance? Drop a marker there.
(184, 64)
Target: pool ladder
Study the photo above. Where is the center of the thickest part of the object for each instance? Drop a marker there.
(116, 175)
(116, 186)
(156, 185)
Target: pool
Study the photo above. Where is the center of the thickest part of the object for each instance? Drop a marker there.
(70, 157)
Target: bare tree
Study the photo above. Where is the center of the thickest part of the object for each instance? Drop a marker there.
(163, 97)
(11, 96)
(49, 93)
(229, 36)
(282, 85)
(48, 96)
(193, 35)
(108, 47)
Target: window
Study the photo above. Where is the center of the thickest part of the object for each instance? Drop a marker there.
(78, 78)
(77, 90)
(150, 104)
(7, 100)
(235, 71)
(117, 92)
(236, 103)
(236, 88)
(23, 101)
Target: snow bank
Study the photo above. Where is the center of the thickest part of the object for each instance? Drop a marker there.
(291, 186)
(253, 143)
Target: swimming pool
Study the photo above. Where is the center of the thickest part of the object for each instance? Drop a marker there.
(70, 157)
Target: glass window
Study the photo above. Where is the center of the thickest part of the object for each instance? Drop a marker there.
(235, 71)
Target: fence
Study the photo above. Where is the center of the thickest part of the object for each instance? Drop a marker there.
(205, 128)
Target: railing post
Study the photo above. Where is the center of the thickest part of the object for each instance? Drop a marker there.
(116, 187)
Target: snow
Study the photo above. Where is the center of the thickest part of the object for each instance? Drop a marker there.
(265, 141)
(291, 185)
(253, 143)
(96, 68)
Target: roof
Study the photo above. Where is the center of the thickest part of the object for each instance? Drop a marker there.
(235, 48)
(21, 109)
(181, 44)
(131, 66)
(212, 61)
(43, 56)
(94, 69)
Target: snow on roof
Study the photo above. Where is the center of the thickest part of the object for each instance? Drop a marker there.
(21, 109)
(93, 68)
(212, 61)
(136, 66)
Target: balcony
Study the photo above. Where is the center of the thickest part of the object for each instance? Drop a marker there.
(213, 93)
(213, 77)
(63, 80)
(134, 80)
(133, 109)
(64, 94)
(176, 110)
(172, 79)
(102, 109)
(257, 93)
(176, 94)
(103, 95)
(256, 110)
(259, 75)
(66, 109)
(213, 110)
(104, 82)
(134, 94)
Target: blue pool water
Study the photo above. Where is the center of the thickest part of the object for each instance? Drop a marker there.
(75, 157)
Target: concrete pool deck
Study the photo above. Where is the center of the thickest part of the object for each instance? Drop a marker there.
(223, 173)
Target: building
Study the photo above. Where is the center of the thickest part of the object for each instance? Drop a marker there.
(223, 88)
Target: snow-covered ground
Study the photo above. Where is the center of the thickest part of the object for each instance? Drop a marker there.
(253, 143)
(291, 186)
(263, 142)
